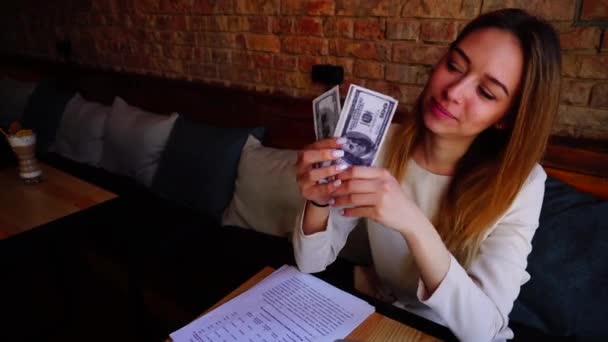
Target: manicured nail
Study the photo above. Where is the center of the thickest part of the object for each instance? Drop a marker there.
(337, 182)
(341, 141)
(342, 212)
(337, 153)
(332, 201)
(341, 167)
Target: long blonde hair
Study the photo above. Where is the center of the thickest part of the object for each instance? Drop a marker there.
(496, 165)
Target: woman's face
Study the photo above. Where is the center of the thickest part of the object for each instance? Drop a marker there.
(473, 85)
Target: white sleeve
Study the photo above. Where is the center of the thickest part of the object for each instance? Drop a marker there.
(315, 251)
(476, 304)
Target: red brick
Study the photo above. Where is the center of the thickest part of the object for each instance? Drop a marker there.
(599, 96)
(259, 24)
(308, 7)
(263, 42)
(338, 27)
(176, 6)
(220, 56)
(155, 50)
(305, 45)
(147, 6)
(416, 53)
(575, 92)
(370, 28)
(464, 9)
(438, 31)
(282, 25)
(348, 81)
(167, 22)
(366, 8)
(212, 7)
(285, 62)
(409, 94)
(405, 94)
(548, 9)
(346, 63)
(309, 26)
(305, 63)
(570, 65)
(587, 37)
(387, 88)
(176, 37)
(240, 74)
(257, 6)
(413, 74)
(261, 60)
(241, 58)
(212, 39)
(202, 54)
(240, 42)
(199, 23)
(582, 122)
(279, 77)
(594, 10)
(236, 24)
(594, 67)
(178, 52)
(364, 50)
(216, 23)
(402, 29)
(173, 65)
(368, 69)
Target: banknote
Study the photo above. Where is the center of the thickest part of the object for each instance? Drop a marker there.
(364, 122)
(326, 112)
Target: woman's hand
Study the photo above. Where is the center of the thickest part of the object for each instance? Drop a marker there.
(308, 177)
(374, 193)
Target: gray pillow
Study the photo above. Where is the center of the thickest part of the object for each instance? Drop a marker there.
(80, 133)
(199, 166)
(134, 141)
(13, 98)
(266, 196)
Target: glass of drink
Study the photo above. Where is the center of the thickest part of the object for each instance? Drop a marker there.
(23, 144)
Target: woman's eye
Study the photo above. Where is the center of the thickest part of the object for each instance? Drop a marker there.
(486, 94)
(451, 66)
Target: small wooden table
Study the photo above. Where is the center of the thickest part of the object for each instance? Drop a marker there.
(25, 206)
(375, 328)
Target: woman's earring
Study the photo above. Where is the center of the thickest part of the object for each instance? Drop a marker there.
(499, 125)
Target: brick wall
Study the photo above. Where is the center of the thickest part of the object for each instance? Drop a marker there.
(270, 45)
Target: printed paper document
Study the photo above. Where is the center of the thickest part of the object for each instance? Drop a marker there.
(286, 306)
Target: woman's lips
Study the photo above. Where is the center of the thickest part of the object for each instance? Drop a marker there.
(439, 111)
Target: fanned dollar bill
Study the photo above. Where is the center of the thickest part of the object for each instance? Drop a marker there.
(364, 122)
(326, 112)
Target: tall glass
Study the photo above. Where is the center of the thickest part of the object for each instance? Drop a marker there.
(25, 148)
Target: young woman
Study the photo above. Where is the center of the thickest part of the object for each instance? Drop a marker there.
(453, 202)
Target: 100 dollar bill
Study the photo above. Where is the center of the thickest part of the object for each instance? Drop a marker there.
(326, 113)
(364, 122)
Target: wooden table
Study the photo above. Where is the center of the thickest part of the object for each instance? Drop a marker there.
(375, 328)
(25, 206)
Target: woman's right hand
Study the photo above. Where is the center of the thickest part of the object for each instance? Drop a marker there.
(308, 177)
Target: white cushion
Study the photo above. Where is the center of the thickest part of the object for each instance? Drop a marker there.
(134, 141)
(266, 196)
(80, 133)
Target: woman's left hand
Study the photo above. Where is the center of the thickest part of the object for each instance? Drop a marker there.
(375, 194)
